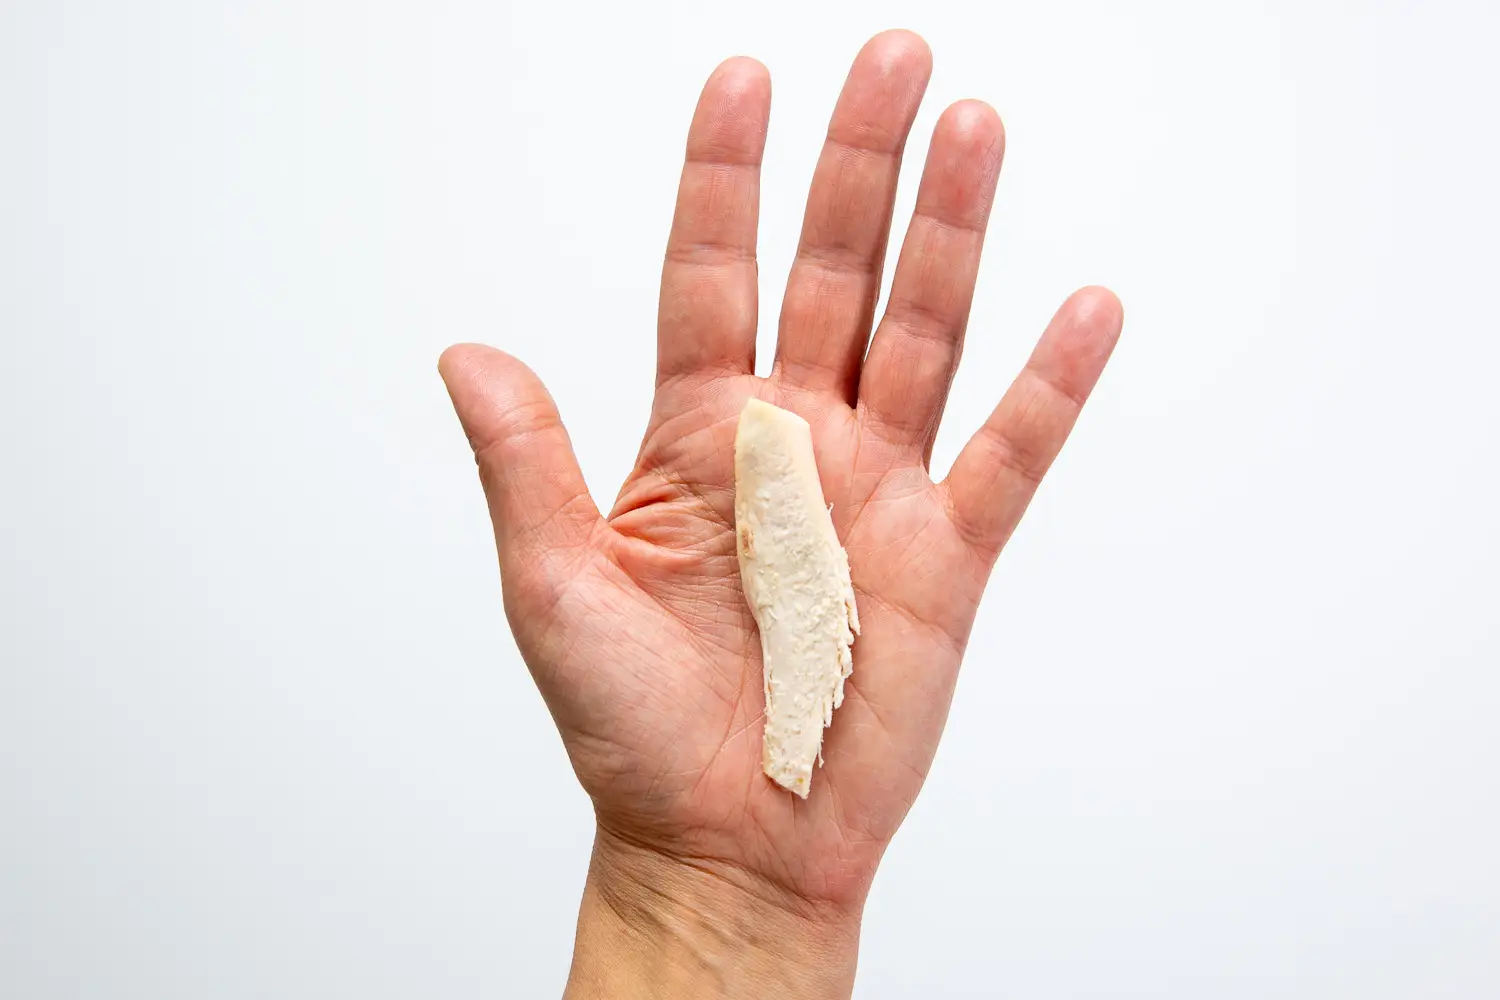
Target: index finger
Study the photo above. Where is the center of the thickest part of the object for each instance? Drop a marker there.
(707, 315)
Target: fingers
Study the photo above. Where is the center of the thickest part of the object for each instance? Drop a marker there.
(835, 278)
(915, 351)
(1000, 468)
(707, 314)
(538, 502)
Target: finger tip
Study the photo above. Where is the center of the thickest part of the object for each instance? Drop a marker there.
(451, 359)
(733, 111)
(899, 47)
(968, 142)
(456, 357)
(974, 121)
(1100, 308)
(468, 366)
(742, 75)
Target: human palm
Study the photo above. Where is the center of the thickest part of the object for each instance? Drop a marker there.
(634, 624)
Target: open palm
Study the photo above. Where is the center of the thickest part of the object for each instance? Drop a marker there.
(634, 624)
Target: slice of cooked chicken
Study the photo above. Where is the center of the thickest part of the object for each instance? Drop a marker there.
(796, 578)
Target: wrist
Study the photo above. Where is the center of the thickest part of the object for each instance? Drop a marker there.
(655, 926)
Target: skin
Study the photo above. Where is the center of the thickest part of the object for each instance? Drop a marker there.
(708, 880)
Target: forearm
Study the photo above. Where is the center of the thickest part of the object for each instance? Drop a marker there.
(652, 927)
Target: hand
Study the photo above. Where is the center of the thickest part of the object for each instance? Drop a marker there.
(634, 625)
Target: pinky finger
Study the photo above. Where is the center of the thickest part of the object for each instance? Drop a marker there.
(1000, 468)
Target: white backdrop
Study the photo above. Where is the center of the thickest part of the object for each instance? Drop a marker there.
(1230, 720)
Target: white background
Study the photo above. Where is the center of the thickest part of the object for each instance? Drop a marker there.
(1229, 724)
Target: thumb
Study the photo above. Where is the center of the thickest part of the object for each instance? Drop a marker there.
(538, 501)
